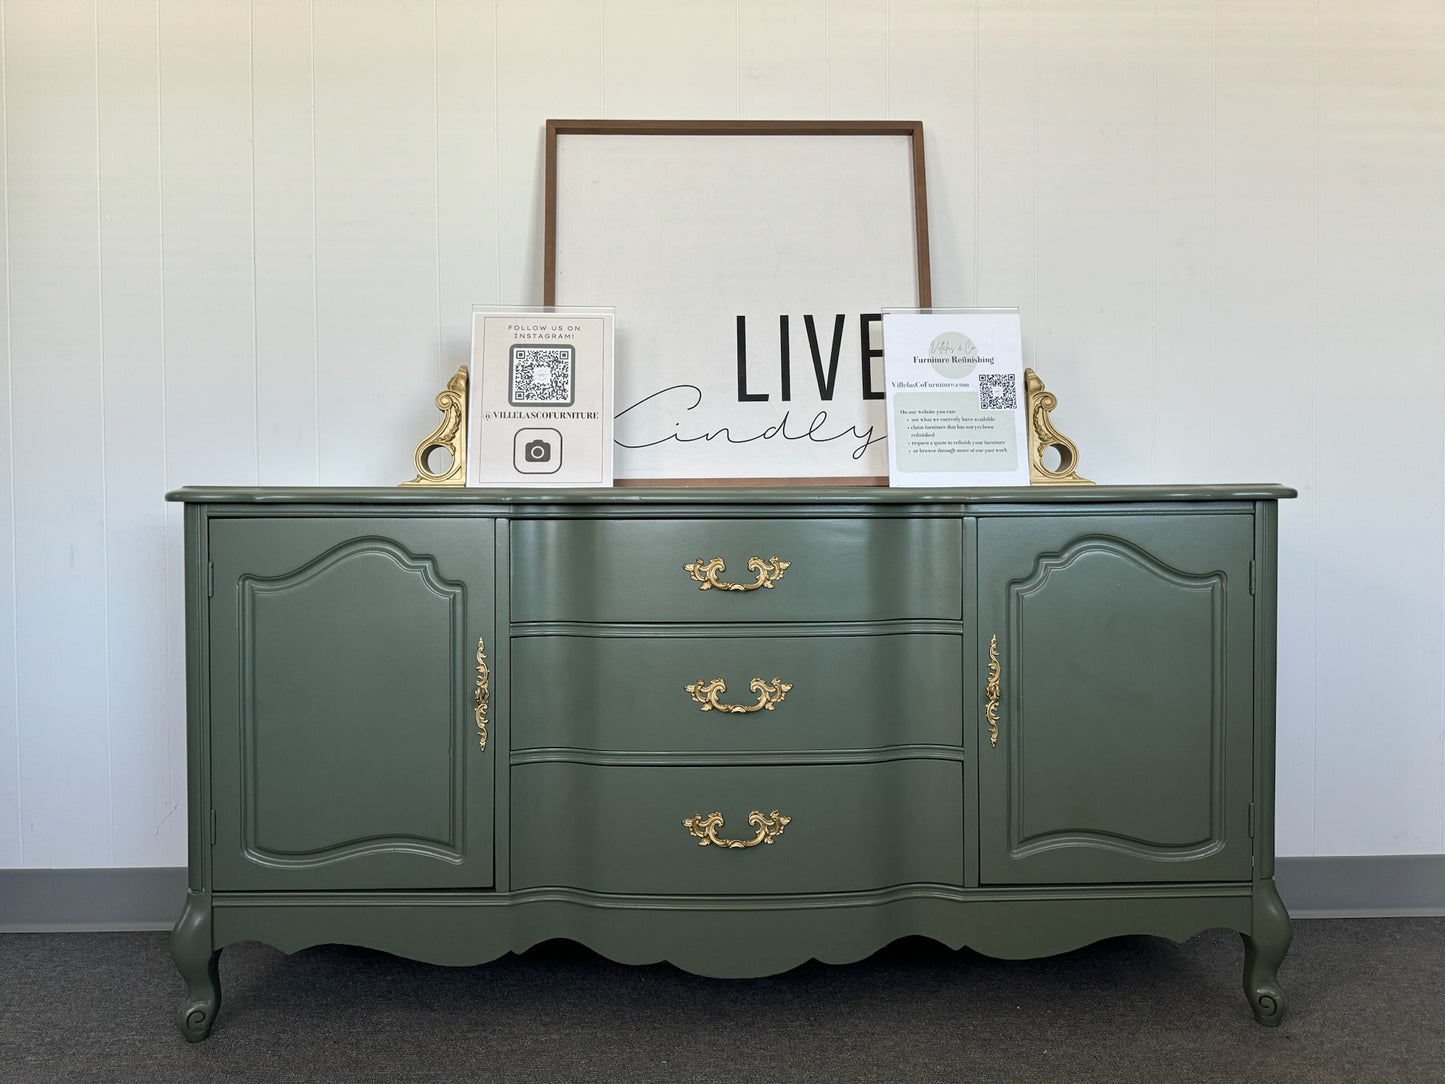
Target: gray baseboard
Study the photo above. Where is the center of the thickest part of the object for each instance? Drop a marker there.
(35, 900)
(53, 900)
(1367, 886)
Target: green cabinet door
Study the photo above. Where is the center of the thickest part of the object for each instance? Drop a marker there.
(345, 751)
(1122, 749)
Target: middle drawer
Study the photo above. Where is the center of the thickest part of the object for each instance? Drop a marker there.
(630, 693)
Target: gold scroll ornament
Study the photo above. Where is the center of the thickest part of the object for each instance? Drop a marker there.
(769, 693)
(450, 436)
(770, 826)
(1043, 436)
(484, 692)
(991, 691)
(769, 573)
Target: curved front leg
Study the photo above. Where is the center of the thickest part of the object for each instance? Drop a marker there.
(199, 965)
(1264, 951)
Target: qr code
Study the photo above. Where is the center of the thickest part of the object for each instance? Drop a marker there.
(542, 375)
(997, 391)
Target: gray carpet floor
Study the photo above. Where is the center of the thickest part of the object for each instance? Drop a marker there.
(1367, 1004)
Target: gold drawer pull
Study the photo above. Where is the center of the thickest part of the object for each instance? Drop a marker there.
(770, 826)
(769, 573)
(991, 693)
(769, 693)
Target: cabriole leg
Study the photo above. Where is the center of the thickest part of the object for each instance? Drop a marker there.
(199, 965)
(1264, 951)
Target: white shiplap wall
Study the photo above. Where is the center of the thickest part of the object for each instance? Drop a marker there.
(241, 240)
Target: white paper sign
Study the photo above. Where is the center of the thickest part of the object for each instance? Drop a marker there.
(540, 409)
(957, 413)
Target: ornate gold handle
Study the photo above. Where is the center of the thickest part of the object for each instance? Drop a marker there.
(769, 573)
(770, 826)
(769, 693)
(484, 692)
(990, 691)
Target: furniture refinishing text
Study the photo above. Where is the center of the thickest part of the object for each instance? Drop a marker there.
(732, 729)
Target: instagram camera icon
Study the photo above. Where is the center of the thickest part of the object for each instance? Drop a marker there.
(537, 451)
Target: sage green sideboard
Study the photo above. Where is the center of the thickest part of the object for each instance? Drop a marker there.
(732, 729)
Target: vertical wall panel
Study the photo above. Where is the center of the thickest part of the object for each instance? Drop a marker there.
(933, 72)
(1264, 350)
(376, 236)
(1185, 142)
(858, 60)
(569, 34)
(1096, 224)
(664, 59)
(783, 59)
(1263, 366)
(56, 387)
(1005, 257)
(206, 194)
(1379, 400)
(467, 174)
(10, 851)
(283, 124)
(144, 810)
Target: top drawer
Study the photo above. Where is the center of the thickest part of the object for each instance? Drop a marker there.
(836, 570)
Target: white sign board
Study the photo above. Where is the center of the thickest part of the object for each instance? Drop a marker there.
(957, 406)
(540, 409)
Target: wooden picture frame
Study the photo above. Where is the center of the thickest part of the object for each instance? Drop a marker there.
(748, 263)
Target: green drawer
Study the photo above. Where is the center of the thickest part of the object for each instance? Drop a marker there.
(837, 570)
(629, 692)
(852, 827)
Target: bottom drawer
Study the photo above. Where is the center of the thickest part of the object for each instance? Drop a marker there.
(851, 827)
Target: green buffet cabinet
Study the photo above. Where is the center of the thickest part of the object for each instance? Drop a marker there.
(732, 729)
